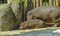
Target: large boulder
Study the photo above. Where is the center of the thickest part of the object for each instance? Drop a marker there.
(7, 18)
(16, 9)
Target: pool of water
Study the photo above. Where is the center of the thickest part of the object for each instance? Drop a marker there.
(47, 32)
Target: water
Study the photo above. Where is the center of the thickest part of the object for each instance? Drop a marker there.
(48, 32)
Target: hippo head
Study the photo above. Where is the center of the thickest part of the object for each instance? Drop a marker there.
(22, 26)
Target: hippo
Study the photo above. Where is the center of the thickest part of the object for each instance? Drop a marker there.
(32, 24)
(46, 13)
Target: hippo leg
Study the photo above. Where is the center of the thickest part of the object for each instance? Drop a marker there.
(57, 23)
(58, 20)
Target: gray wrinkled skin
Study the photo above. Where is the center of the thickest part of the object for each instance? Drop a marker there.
(31, 24)
(45, 12)
(7, 18)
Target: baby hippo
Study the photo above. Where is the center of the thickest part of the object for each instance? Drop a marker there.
(32, 24)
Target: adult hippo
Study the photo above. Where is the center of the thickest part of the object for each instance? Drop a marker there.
(46, 13)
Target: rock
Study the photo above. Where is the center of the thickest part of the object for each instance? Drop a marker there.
(7, 18)
(16, 9)
(32, 24)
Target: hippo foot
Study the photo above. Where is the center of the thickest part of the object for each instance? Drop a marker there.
(56, 24)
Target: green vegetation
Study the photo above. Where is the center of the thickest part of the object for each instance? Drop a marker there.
(45, 1)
